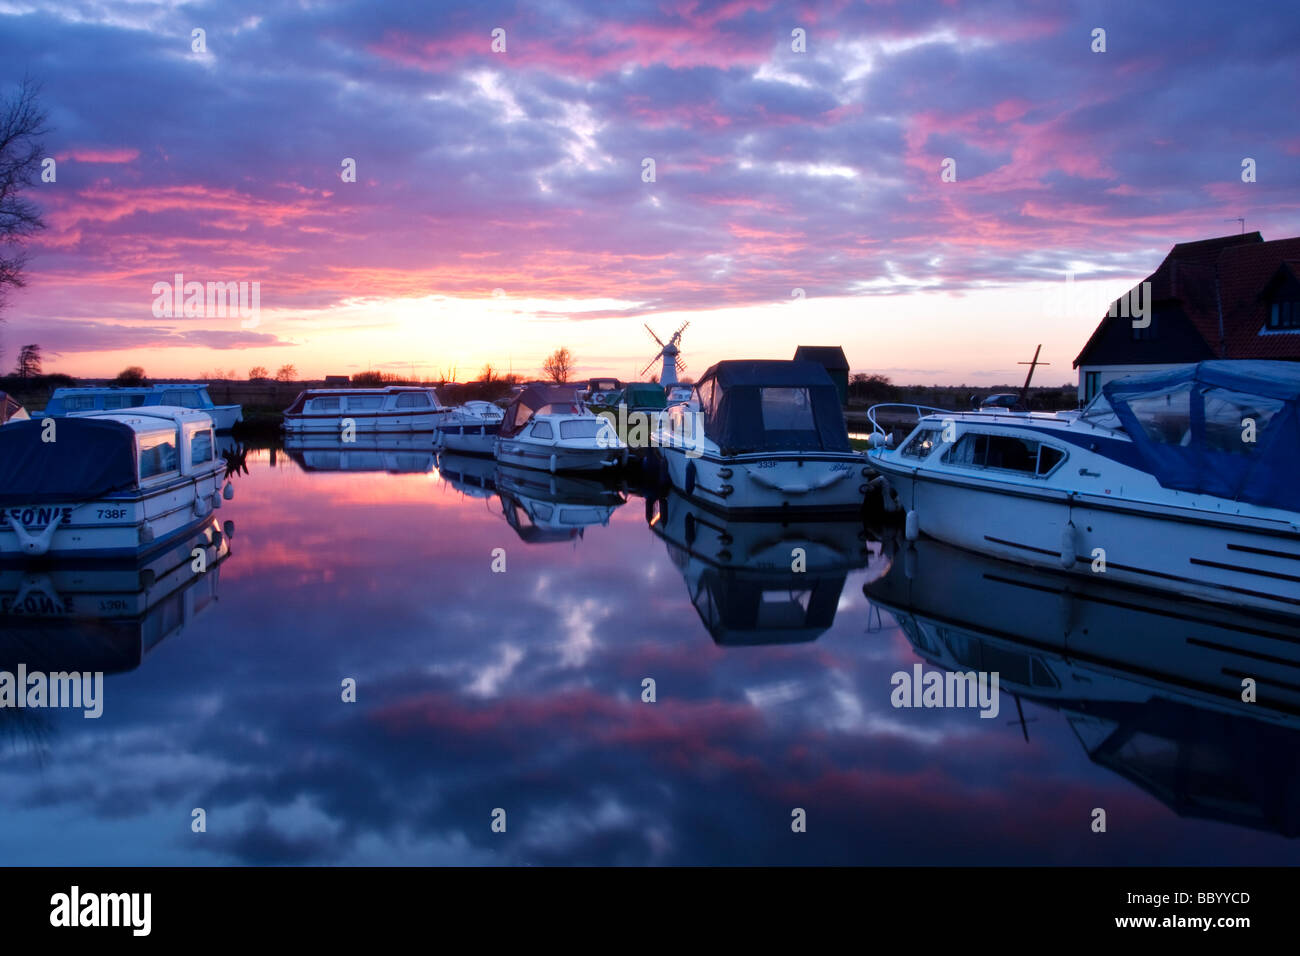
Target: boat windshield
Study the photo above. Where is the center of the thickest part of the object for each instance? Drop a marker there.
(1099, 413)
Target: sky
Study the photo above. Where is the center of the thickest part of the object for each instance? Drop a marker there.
(503, 204)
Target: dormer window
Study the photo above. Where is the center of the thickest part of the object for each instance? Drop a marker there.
(1284, 315)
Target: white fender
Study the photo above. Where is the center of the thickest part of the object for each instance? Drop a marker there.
(912, 526)
(228, 492)
(1068, 546)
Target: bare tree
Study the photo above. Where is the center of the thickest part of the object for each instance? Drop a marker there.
(558, 365)
(258, 371)
(131, 375)
(489, 374)
(29, 361)
(22, 123)
(286, 373)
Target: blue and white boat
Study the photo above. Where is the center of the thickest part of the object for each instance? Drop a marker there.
(548, 427)
(1183, 480)
(67, 401)
(107, 484)
(759, 436)
(471, 429)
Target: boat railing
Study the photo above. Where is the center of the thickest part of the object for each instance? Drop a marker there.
(917, 411)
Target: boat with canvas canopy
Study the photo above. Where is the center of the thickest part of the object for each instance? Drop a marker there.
(106, 484)
(1182, 479)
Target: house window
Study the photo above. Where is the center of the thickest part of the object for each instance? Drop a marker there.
(1284, 315)
(1091, 385)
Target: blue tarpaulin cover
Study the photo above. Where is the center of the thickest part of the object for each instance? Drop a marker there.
(90, 457)
(1193, 428)
(772, 405)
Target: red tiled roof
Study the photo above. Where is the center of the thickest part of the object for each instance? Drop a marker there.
(1230, 271)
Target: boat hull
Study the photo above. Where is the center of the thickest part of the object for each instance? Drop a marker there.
(829, 483)
(555, 458)
(389, 423)
(1215, 556)
(116, 526)
(469, 439)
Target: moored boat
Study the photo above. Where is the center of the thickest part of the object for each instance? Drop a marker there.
(471, 429)
(548, 427)
(763, 435)
(69, 401)
(106, 484)
(338, 411)
(1182, 480)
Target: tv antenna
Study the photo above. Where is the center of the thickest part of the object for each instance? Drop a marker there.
(1240, 219)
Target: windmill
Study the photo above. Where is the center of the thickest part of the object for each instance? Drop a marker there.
(670, 354)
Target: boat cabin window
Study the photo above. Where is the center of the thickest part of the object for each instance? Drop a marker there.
(787, 409)
(542, 430)
(328, 403)
(581, 429)
(921, 444)
(184, 397)
(157, 454)
(412, 400)
(1004, 452)
(117, 401)
(80, 403)
(361, 403)
(201, 447)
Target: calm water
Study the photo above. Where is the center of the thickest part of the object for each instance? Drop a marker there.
(522, 690)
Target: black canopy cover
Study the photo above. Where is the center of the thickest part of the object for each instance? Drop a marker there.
(772, 405)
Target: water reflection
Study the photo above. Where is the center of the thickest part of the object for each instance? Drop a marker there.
(1151, 686)
(395, 454)
(759, 582)
(523, 690)
(105, 616)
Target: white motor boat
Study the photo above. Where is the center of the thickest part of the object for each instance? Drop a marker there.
(548, 427)
(338, 411)
(106, 484)
(471, 429)
(1183, 480)
(760, 436)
